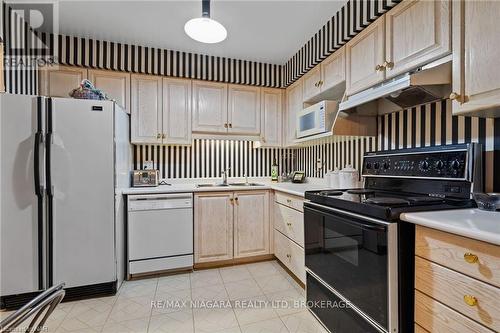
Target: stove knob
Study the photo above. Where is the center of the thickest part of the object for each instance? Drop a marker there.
(424, 165)
(376, 165)
(368, 165)
(455, 165)
(439, 165)
(386, 165)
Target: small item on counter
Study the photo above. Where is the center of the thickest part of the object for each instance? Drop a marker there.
(487, 201)
(348, 177)
(86, 90)
(298, 177)
(145, 178)
(274, 171)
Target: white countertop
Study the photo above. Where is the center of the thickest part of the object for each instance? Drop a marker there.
(472, 223)
(190, 186)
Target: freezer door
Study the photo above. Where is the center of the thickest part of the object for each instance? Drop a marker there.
(22, 268)
(80, 178)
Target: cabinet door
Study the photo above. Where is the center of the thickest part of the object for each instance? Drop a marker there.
(272, 109)
(364, 55)
(417, 32)
(213, 226)
(476, 64)
(312, 83)
(176, 111)
(115, 84)
(146, 110)
(2, 83)
(209, 107)
(294, 103)
(333, 70)
(251, 223)
(61, 80)
(244, 110)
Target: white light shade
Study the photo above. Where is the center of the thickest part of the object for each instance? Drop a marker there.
(205, 30)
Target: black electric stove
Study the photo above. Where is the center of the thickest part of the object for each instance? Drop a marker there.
(358, 251)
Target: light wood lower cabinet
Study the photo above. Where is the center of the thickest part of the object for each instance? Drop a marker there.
(213, 226)
(231, 225)
(290, 254)
(455, 283)
(251, 223)
(289, 222)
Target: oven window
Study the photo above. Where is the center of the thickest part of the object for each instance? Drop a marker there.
(350, 256)
(307, 122)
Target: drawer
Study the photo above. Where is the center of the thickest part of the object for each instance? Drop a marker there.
(290, 254)
(289, 222)
(450, 288)
(433, 316)
(452, 251)
(290, 201)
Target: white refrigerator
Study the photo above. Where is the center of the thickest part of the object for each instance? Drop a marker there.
(61, 161)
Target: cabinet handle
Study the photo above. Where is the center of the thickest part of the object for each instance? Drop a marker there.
(289, 224)
(158, 136)
(263, 139)
(459, 98)
(230, 125)
(470, 300)
(379, 68)
(320, 82)
(288, 256)
(232, 200)
(163, 136)
(316, 84)
(454, 96)
(388, 65)
(236, 199)
(225, 125)
(288, 200)
(470, 258)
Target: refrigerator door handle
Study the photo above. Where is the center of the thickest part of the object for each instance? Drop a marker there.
(36, 168)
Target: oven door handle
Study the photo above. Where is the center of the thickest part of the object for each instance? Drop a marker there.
(379, 226)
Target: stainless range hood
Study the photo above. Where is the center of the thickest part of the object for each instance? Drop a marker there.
(426, 84)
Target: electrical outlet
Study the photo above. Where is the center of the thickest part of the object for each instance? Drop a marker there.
(148, 165)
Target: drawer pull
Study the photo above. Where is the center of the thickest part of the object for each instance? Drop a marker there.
(289, 224)
(470, 258)
(288, 256)
(289, 201)
(470, 300)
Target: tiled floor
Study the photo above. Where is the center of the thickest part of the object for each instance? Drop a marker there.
(253, 298)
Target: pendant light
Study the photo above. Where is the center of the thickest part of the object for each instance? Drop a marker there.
(203, 29)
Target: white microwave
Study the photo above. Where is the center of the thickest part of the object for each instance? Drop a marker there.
(316, 119)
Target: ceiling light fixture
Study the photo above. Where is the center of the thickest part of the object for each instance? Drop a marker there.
(204, 29)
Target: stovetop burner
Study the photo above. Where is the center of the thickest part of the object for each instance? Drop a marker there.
(387, 201)
(360, 191)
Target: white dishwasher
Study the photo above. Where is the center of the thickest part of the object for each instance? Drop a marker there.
(159, 232)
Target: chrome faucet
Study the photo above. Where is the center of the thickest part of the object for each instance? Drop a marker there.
(224, 176)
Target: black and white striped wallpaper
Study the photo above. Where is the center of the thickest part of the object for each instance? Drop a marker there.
(100, 54)
(207, 158)
(20, 69)
(433, 125)
(346, 23)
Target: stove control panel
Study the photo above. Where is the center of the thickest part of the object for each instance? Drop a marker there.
(440, 164)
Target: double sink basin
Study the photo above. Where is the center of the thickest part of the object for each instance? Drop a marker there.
(229, 184)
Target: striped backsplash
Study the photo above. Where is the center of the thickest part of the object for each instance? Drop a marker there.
(433, 125)
(346, 23)
(207, 158)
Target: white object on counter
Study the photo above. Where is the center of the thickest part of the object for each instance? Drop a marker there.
(472, 223)
(348, 177)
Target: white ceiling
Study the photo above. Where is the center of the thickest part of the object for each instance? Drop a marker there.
(267, 31)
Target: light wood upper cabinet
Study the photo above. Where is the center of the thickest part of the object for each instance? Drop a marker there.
(271, 117)
(2, 83)
(176, 111)
(365, 57)
(417, 32)
(115, 84)
(251, 223)
(243, 109)
(294, 103)
(209, 107)
(333, 70)
(146, 115)
(60, 80)
(312, 83)
(476, 61)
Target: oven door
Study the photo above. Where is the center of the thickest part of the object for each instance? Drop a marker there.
(310, 121)
(357, 257)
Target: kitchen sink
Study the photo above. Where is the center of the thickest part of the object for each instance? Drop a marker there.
(211, 185)
(245, 184)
